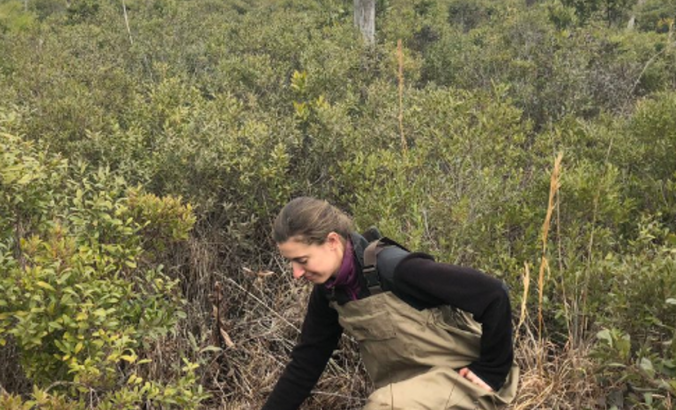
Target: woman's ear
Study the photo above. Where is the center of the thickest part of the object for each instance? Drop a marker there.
(334, 240)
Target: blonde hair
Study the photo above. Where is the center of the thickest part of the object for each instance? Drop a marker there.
(310, 220)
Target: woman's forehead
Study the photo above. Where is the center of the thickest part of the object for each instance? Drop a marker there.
(293, 248)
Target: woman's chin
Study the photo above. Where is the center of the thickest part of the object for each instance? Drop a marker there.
(318, 279)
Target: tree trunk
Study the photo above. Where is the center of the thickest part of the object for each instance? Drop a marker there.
(365, 19)
(632, 20)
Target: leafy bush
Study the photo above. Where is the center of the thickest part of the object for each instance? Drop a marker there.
(635, 347)
(656, 15)
(469, 14)
(14, 17)
(82, 291)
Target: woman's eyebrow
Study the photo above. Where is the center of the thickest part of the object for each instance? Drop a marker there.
(298, 258)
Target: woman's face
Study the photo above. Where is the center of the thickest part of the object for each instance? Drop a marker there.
(315, 263)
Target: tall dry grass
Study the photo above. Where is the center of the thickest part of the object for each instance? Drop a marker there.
(554, 186)
(552, 376)
(400, 81)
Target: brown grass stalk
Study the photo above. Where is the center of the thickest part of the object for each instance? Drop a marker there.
(544, 263)
(524, 299)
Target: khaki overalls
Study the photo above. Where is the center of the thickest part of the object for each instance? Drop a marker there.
(412, 356)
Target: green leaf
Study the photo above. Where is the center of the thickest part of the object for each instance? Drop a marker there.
(54, 325)
(100, 312)
(45, 285)
(605, 336)
(648, 398)
(25, 180)
(647, 366)
(128, 358)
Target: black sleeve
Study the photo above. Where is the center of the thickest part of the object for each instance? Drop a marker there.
(319, 337)
(475, 292)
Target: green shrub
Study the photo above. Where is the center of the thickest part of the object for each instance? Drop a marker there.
(653, 127)
(14, 17)
(82, 293)
(656, 15)
(469, 14)
(635, 346)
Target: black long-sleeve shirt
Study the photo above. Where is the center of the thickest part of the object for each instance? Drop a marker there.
(433, 284)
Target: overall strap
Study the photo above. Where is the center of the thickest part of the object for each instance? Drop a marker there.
(370, 270)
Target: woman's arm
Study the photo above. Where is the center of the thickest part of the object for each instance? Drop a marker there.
(319, 337)
(483, 296)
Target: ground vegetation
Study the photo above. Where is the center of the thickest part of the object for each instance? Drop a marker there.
(146, 146)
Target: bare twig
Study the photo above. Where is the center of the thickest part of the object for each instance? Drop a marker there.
(400, 77)
(219, 333)
(238, 286)
(126, 22)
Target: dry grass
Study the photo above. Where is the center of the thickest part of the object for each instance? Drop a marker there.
(552, 377)
(524, 299)
(561, 382)
(544, 263)
(243, 377)
(260, 309)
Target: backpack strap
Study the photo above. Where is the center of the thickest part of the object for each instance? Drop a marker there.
(370, 270)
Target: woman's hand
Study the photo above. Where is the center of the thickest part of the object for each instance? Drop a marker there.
(467, 374)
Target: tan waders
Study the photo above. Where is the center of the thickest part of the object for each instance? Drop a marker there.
(412, 356)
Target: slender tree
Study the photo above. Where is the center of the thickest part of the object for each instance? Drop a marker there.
(632, 19)
(365, 19)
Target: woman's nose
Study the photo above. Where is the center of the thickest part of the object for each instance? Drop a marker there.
(298, 270)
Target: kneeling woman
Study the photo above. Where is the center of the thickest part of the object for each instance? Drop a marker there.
(438, 337)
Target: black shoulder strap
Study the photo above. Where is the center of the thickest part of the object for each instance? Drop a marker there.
(370, 271)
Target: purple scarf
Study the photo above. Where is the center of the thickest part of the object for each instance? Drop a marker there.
(347, 274)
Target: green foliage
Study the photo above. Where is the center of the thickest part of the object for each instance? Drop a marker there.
(553, 70)
(654, 128)
(81, 292)
(612, 11)
(14, 17)
(82, 10)
(656, 15)
(644, 377)
(469, 14)
(237, 106)
(562, 16)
